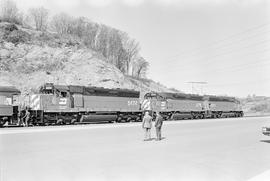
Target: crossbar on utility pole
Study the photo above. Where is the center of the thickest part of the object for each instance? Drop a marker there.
(193, 88)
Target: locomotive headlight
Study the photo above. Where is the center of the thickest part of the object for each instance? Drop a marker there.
(264, 129)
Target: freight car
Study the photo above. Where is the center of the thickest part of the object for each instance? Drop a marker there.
(191, 106)
(8, 107)
(57, 104)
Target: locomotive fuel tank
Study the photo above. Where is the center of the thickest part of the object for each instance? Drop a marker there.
(98, 118)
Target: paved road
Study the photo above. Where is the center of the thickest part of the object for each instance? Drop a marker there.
(225, 149)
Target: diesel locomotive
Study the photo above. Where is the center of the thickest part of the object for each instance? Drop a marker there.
(60, 104)
(192, 106)
(8, 105)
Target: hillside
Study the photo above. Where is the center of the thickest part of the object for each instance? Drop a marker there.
(256, 105)
(29, 58)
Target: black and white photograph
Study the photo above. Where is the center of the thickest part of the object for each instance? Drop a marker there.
(134, 90)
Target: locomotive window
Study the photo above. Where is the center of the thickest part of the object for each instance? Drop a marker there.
(63, 94)
(44, 91)
(4, 100)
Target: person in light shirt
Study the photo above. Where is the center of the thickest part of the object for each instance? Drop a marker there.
(147, 125)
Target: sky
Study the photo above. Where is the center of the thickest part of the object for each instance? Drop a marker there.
(224, 43)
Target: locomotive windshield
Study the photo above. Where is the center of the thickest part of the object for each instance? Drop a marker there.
(6, 95)
(47, 89)
(4, 100)
(58, 90)
(154, 95)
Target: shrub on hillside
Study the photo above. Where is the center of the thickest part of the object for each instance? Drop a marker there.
(10, 28)
(11, 33)
(17, 37)
(30, 67)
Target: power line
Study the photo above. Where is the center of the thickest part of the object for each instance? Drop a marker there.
(240, 83)
(238, 67)
(226, 38)
(189, 56)
(193, 86)
(188, 61)
(210, 59)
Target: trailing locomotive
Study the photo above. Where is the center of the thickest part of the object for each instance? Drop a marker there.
(58, 104)
(8, 107)
(191, 106)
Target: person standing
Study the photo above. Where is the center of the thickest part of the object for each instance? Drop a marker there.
(158, 125)
(147, 125)
(20, 118)
(26, 117)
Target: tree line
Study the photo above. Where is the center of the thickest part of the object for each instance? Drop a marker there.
(116, 46)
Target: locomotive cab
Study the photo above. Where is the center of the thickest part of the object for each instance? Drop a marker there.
(57, 90)
(154, 102)
(52, 105)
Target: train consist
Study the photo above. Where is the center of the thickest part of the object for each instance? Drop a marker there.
(58, 104)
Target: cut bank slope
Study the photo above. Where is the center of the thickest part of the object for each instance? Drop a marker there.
(30, 58)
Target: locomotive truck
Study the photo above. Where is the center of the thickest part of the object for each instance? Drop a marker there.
(59, 104)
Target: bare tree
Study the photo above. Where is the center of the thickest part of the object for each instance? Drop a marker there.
(132, 48)
(40, 17)
(79, 26)
(140, 67)
(89, 37)
(9, 11)
(62, 23)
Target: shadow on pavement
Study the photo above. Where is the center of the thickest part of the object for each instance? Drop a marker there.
(265, 141)
(154, 139)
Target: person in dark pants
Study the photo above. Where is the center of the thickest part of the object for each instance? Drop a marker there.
(147, 125)
(158, 125)
(20, 118)
(26, 117)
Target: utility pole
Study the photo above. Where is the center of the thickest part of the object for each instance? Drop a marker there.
(194, 90)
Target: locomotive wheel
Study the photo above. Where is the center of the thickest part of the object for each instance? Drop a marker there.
(73, 121)
(118, 120)
(59, 122)
(129, 119)
(138, 119)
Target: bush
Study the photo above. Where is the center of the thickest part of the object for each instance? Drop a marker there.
(10, 28)
(17, 36)
(11, 33)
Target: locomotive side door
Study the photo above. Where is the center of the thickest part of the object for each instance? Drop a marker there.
(78, 100)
